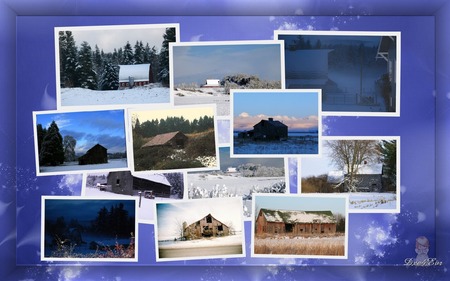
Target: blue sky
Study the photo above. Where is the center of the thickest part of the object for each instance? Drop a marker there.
(196, 63)
(89, 128)
(298, 110)
(298, 203)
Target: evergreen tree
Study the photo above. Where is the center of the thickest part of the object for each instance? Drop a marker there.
(68, 60)
(41, 132)
(69, 144)
(139, 52)
(88, 77)
(52, 151)
(128, 55)
(163, 73)
(110, 77)
(388, 152)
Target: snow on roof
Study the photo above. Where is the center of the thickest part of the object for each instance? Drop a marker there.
(370, 169)
(161, 139)
(140, 72)
(155, 177)
(335, 176)
(298, 216)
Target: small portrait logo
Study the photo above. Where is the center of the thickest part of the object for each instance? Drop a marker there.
(422, 259)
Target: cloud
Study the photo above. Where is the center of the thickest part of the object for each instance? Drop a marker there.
(288, 26)
(70, 182)
(196, 38)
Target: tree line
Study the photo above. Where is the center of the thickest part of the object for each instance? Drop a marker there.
(53, 149)
(155, 127)
(96, 70)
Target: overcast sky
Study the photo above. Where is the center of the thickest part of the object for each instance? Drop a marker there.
(110, 37)
(105, 127)
(298, 110)
(170, 215)
(201, 61)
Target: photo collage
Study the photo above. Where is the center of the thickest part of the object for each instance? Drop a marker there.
(202, 139)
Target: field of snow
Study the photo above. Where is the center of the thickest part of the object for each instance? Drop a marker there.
(204, 96)
(137, 95)
(73, 166)
(293, 145)
(145, 213)
(204, 242)
(372, 200)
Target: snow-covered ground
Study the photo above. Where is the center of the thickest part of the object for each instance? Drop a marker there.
(204, 96)
(152, 93)
(204, 242)
(73, 166)
(294, 145)
(145, 213)
(373, 200)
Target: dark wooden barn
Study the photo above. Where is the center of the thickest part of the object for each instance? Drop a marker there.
(270, 130)
(98, 154)
(124, 182)
(295, 222)
(208, 226)
(173, 139)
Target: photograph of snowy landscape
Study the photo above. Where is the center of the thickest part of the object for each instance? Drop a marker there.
(76, 141)
(175, 138)
(357, 72)
(109, 65)
(365, 168)
(146, 187)
(199, 229)
(270, 123)
(239, 177)
(300, 226)
(204, 72)
(94, 229)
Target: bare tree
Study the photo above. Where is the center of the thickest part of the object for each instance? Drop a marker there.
(348, 155)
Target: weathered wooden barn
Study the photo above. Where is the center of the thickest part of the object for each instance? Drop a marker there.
(270, 130)
(295, 222)
(368, 177)
(135, 75)
(98, 154)
(205, 227)
(173, 139)
(124, 182)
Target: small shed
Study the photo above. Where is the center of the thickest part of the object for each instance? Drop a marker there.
(173, 139)
(98, 154)
(208, 226)
(135, 75)
(212, 83)
(270, 130)
(295, 222)
(125, 182)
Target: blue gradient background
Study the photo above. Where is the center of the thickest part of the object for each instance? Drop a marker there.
(376, 241)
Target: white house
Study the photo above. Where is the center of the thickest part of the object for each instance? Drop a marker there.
(135, 75)
(212, 83)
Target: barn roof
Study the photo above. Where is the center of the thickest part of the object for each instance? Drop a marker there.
(154, 177)
(273, 123)
(205, 217)
(364, 169)
(140, 72)
(161, 139)
(96, 147)
(298, 216)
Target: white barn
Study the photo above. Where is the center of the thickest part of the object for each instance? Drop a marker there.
(212, 83)
(135, 75)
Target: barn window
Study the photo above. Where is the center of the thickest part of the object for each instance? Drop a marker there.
(220, 227)
(289, 227)
(208, 219)
(117, 181)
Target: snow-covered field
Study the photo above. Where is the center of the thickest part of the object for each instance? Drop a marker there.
(372, 200)
(204, 242)
(152, 93)
(73, 166)
(145, 213)
(204, 96)
(293, 145)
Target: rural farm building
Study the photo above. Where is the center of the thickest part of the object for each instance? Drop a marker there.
(124, 182)
(173, 139)
(135, 75)
(212, 83)
(295, 222)
(387, 51)
(98, 154)
(269, 130)
(368, 177)
(205, 227)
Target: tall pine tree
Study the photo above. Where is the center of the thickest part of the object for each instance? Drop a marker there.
(128, 54)
(163, 74)
(68, 60)
(88, 77)
(52, 150)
